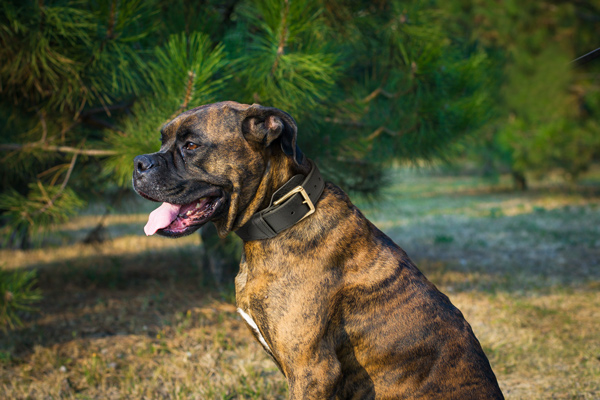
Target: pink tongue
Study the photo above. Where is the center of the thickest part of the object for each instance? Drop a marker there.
(161, 218)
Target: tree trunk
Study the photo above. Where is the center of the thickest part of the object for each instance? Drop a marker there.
(221, 257)
(519, 180)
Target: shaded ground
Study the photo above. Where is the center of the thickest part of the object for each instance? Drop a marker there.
(138, 317)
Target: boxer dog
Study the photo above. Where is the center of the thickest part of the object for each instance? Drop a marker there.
(340, 308)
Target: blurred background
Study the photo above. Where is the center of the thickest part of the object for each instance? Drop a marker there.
(461, 128)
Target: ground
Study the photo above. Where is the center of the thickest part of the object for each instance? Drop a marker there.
(138, 317)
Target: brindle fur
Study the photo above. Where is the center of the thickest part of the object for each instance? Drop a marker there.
(344, 311)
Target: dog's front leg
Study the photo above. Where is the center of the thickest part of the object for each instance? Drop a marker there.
(316, 376)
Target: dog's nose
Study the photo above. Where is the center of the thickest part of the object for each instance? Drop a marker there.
(143, 163)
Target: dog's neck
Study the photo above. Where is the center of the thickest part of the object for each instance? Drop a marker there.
(279, 170)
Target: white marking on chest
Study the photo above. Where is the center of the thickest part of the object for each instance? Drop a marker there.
(254, 327)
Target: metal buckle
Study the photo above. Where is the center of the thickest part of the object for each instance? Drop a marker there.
(307, 201)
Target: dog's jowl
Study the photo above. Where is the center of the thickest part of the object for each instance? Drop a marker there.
(341, 309)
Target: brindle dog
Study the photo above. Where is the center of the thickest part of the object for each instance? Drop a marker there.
(340, 308)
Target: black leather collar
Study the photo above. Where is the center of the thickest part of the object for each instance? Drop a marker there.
(290, 204)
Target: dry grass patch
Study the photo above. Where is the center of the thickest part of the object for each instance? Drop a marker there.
(202, 353)
(540, 347)
(129, 245)
(138, 317)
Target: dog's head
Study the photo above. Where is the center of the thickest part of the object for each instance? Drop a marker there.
(211, 165)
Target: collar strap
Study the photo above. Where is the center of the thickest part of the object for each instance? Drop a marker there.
(290, 204)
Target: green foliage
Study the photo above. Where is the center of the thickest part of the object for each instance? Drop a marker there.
(559, 144)
(65, 65)
(188, 70)
(117, 55)
(64, 55)
(407, 89)
(284, 59)
(436, 92)
(368, 83)
(42, 206)
(17, 294)
(547, 117)
(40, 47)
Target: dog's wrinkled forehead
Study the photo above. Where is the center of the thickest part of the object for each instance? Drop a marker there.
(225, 115)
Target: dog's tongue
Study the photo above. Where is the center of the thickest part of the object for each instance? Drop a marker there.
(161, 218)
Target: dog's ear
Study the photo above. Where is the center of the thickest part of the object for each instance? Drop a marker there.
(268, 125)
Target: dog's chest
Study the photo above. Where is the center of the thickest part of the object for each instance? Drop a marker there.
(255, 328)
(246, 287)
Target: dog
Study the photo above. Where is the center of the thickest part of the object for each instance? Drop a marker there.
(339, 307)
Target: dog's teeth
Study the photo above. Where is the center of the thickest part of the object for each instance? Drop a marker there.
(188, 213)
(197, 205)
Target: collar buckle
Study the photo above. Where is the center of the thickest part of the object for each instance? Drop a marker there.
(307, 201)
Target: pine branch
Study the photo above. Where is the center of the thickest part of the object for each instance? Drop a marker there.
(111, 25)
(44, 127)
(379, 91)
(189, 91)
(111, 20)
(373, 94)
(61, 190)
(58, 149)
(41, 7)
(344, 122)
(83, 101)
(383, 129)
(282, 37)
(113, 107)
(65, 129)
(103, 124)
(102, 102)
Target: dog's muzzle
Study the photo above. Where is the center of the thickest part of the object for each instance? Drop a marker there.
(178, 215)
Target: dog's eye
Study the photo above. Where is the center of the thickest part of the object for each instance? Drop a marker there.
(191, 146)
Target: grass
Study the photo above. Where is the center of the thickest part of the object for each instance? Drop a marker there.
(137, 317)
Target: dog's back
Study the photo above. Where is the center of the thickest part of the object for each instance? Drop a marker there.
(404, 339)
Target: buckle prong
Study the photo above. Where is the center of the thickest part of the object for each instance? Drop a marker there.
(307, 201)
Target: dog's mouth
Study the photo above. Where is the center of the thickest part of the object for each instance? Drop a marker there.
(176, 220)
